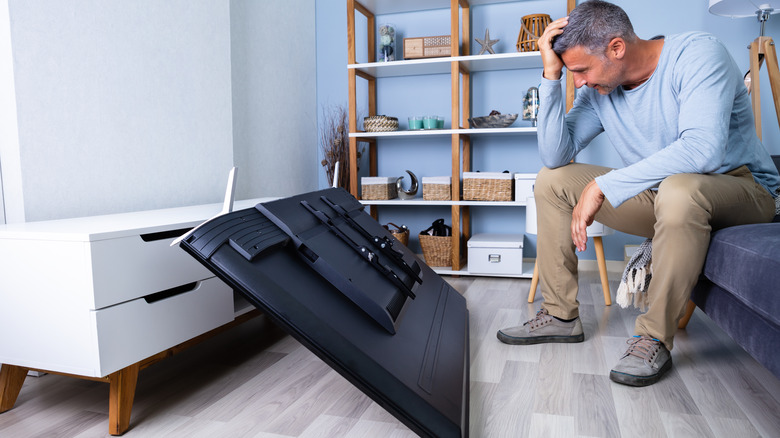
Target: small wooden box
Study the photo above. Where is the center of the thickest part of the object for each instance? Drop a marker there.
(427, 47)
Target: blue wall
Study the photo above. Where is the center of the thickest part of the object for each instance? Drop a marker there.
(502, 91)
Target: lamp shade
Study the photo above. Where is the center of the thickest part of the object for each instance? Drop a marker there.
(742, 8)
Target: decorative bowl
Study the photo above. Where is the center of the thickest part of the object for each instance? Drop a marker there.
(494, 121)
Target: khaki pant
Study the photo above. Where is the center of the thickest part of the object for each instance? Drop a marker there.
(679, 217)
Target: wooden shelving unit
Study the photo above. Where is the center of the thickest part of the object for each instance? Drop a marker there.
(459, 66)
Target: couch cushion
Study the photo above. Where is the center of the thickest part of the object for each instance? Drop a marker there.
(745, 260)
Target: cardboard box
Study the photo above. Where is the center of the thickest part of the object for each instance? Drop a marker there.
(496, 254)
(427, 47)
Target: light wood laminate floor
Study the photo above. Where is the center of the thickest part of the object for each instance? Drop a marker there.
(255, 381)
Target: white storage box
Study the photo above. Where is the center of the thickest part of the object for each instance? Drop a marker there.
(496, 254)
(524, 186)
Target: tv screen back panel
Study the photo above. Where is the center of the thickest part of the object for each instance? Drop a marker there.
(316, 264)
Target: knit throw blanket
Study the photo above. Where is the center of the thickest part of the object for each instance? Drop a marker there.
(636, 278)
(777, 201)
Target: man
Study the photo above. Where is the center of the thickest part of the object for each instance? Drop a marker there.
(679, 116)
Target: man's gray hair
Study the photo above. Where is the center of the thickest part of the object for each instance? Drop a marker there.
(593, 24)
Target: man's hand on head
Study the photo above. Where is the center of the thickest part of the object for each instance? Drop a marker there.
(584, 213)
(553, 65)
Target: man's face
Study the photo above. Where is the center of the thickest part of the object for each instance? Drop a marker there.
(596, 71)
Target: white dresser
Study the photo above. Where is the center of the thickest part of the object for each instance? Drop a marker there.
(92, 297)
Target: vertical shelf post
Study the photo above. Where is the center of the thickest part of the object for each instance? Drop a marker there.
(352, 85)
(570, 5)
(352, 7)
(459, 42)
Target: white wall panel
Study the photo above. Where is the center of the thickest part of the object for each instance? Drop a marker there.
(121, 106)
(273, 45)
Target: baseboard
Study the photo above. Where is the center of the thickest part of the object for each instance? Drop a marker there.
(613, 266)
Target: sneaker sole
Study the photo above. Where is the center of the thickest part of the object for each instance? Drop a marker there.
(632, 380)
(511, 340)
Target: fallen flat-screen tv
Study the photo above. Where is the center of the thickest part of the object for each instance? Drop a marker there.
(338, 282)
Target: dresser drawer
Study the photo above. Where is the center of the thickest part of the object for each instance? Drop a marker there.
(131, 267)
(131, 331)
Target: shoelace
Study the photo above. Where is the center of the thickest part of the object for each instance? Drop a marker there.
(643, 347)
(541, 318)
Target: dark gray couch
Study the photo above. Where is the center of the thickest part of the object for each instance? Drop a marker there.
(740, 287)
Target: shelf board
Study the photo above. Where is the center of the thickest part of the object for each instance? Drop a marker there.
(445, 132)
(527, 272)
(381, 7)
(429, 66)
(421, 202)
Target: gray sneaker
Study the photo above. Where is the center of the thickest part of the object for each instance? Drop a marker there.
(543, 328)
(645, 361)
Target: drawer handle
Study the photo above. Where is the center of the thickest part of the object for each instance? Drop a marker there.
(172, 292)
(494, 258)
(162, 235)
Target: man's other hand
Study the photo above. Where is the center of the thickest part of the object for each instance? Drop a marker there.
(553, 65)
(584, 213)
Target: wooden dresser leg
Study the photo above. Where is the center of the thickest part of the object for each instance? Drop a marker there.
(120, 403)
(11, 381)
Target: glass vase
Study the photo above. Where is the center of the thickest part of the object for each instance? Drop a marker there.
(386, 42)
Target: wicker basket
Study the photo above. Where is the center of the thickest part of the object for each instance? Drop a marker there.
(437, 250)
(531, 28)
(401, 233)
(380, 124)
(437, 188)
(378, 188)
(487, 186)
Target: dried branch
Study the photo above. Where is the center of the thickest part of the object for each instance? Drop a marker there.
(334, 143)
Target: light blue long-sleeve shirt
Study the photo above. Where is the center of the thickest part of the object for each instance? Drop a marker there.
(692, 116)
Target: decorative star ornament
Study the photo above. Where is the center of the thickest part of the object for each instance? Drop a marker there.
(487, 43)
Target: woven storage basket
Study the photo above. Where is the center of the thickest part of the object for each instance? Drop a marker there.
(487, 186)
(400, 233)
(380, 124)
(378, 187)
(437, 250)
(437, 188)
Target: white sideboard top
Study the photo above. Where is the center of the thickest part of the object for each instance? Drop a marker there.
(93, 228)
